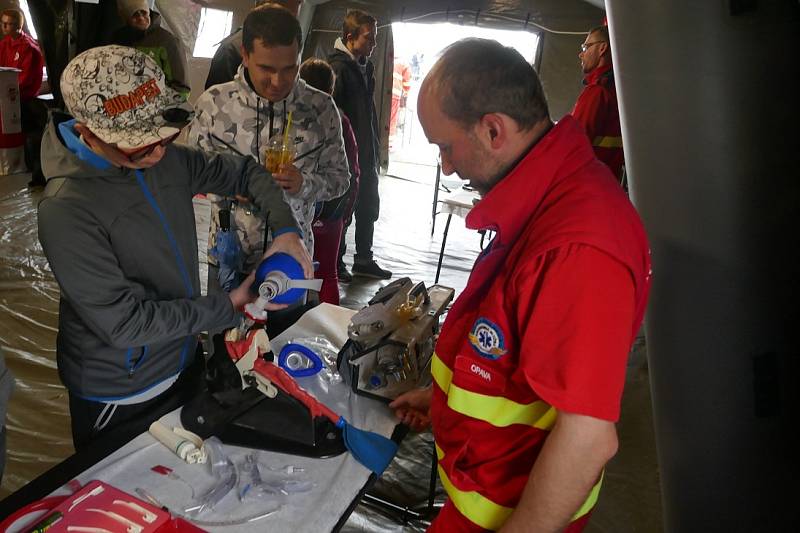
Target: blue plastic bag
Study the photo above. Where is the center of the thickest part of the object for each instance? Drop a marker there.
(228, 253)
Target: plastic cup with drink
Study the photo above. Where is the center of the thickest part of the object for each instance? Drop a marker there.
(280, 149)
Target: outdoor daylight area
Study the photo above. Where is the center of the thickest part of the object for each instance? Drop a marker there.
(410, 155)
(215, 25)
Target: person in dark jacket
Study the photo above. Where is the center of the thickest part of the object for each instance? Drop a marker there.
(117, 226)
(329, 222)
(228, 56)
(143, 31)
(354, 92)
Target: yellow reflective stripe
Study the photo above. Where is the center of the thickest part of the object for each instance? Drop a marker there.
(479, 509)
(441, 374)
(495, 410)
(490, 515)
(607, 142)
(591, 500)
(498, 411)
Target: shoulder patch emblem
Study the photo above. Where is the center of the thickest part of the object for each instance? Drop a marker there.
(487, 339)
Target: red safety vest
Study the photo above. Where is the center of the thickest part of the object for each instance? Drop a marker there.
(489, 425)
(596, 109)
(401, 80)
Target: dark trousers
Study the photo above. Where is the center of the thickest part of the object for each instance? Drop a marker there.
(87, 414)
(367, 211)
(34, 119)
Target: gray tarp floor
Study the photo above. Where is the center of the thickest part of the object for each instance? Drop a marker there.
(38, 418)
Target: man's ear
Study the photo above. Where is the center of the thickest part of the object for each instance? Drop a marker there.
(245, 55)
(493, 129)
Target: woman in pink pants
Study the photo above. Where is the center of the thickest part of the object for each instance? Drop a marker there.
(331, 215)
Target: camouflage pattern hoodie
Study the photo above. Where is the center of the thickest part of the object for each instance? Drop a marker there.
(231, 117)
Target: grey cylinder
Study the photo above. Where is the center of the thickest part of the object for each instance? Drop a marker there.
(710, 130)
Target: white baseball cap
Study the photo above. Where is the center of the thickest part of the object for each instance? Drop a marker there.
(121, 95)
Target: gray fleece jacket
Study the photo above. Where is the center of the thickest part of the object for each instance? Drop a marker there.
(123, 247)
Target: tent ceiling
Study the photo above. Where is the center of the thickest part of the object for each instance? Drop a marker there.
(559, 15)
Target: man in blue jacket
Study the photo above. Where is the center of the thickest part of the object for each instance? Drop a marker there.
(117, 226)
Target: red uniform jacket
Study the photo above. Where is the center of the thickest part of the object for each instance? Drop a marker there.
(597, 110)
(23, 53)
(512, 350)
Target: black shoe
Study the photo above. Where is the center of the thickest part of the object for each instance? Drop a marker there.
(371, 269)
(33, 184)
(344, 275)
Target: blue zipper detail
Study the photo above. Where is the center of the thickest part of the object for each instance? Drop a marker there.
(128, 364)
(181, 265)
(132, 366)
(179, 258)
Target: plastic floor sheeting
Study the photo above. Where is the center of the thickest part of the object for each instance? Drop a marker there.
(38, 417)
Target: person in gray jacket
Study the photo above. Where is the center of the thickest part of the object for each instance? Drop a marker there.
(117, 226)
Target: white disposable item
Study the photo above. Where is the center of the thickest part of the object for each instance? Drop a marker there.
(131, 526)
(184, 444)
(147, 516)
(94, 492)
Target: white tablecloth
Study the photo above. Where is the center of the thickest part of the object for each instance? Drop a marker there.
(337, 480)
(459, 202)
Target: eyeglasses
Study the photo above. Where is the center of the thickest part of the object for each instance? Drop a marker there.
(586, 46)
(140, 154)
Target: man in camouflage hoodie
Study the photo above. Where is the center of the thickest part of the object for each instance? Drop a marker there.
(242, 115)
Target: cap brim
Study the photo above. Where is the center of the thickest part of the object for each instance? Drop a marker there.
(132, 138)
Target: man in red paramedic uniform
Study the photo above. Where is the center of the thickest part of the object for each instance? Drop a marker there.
(596, 108)
(530, 363)
(20, 50)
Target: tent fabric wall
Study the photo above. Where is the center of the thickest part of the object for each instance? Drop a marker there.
(559, 70)
(710, 133)
(566, 22)
(181, 18)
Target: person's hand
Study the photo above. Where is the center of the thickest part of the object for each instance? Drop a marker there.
(241, 296)
(292, 244)
(413, 408)
(289, 178)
